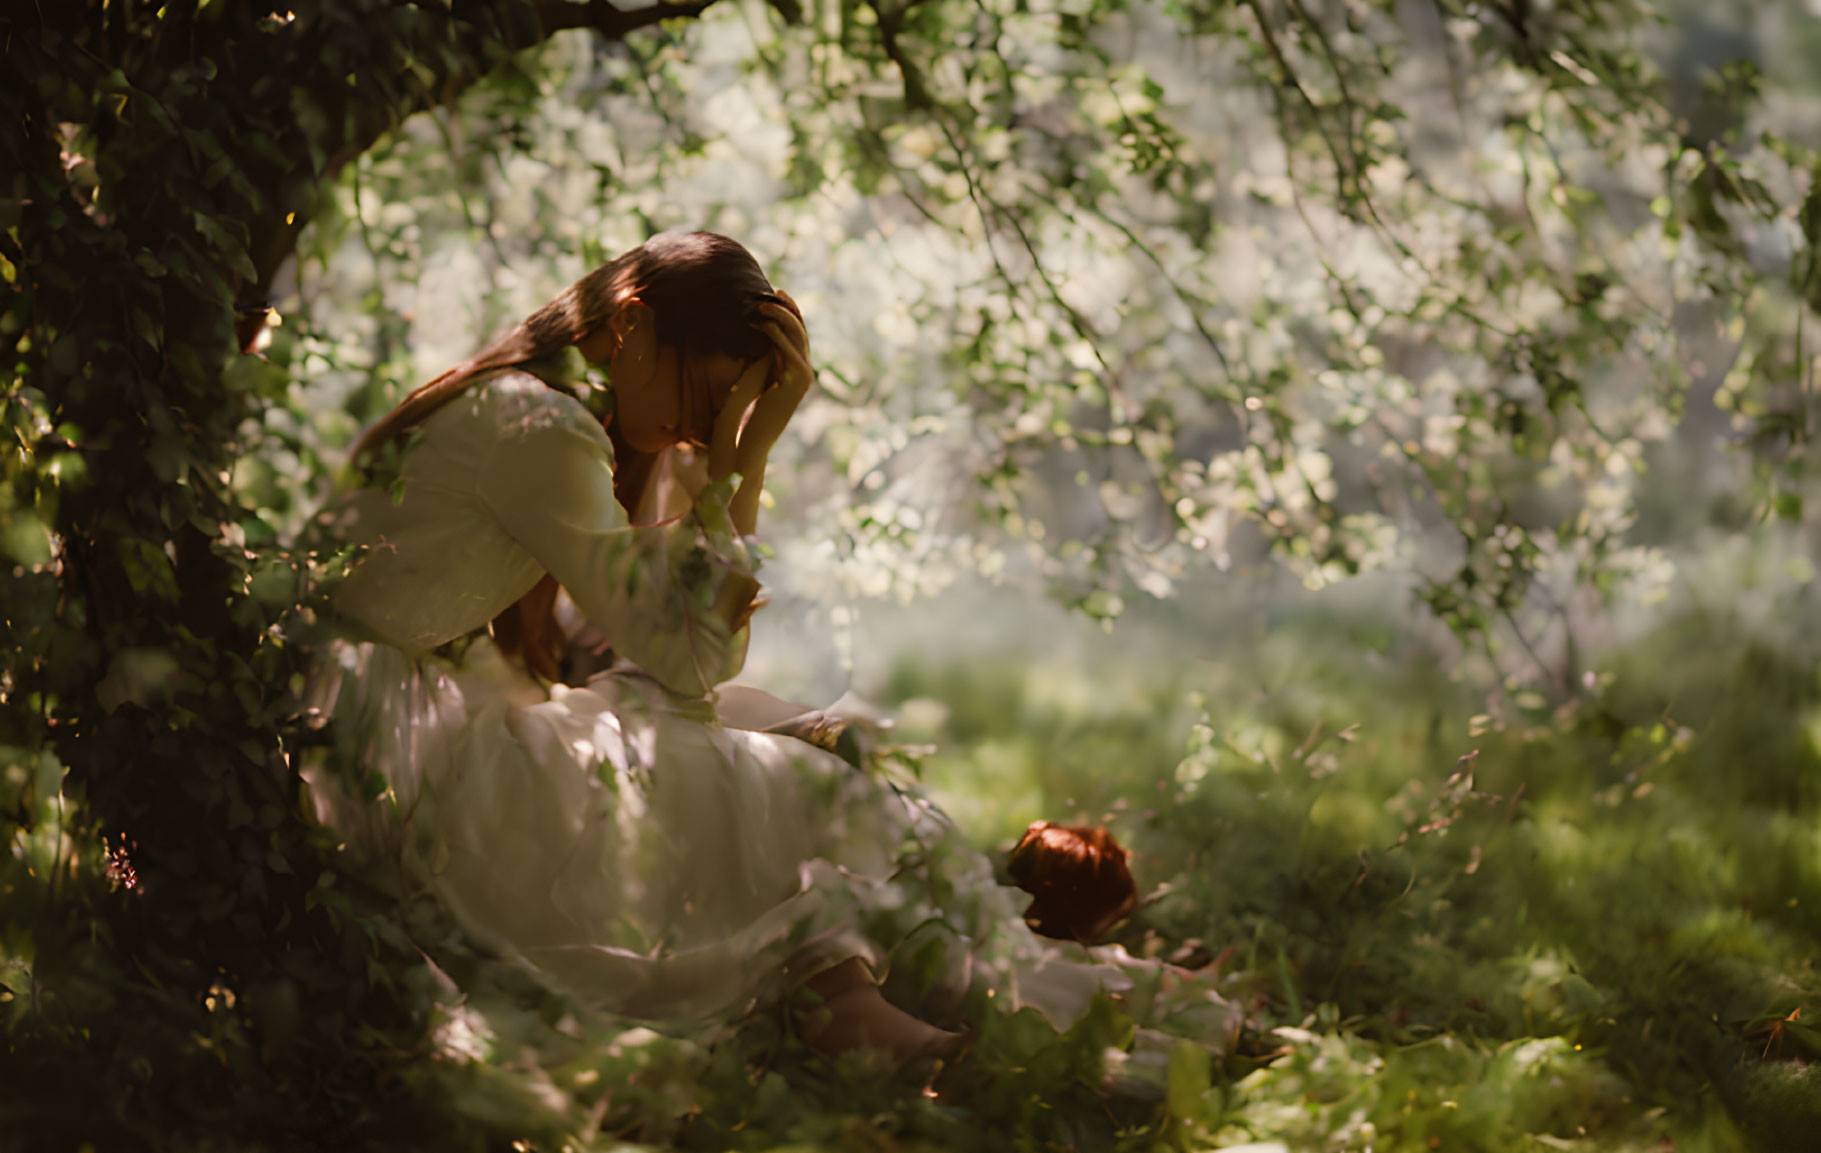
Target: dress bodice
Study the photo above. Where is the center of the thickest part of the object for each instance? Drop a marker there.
(511, 480)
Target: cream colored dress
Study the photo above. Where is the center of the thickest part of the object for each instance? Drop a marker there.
(618, 838)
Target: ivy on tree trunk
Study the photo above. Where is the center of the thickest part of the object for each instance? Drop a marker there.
(165, 159)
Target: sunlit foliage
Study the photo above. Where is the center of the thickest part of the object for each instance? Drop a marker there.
(1107, 297)
(1121, 295)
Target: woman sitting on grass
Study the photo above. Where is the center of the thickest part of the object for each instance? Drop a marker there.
(614, 835)
(614, 831)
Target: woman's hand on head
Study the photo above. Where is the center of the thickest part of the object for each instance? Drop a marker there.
(723, 445)
(791, 381)
(791, 341)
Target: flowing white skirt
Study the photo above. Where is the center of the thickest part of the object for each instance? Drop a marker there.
(658, 865)
(648, 860)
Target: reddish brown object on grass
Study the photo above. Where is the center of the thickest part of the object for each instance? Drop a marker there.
(1077, 877)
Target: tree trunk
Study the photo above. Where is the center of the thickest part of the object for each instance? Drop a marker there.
(166, 160)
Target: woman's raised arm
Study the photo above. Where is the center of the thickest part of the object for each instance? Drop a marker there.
(758, 433)
(673, 598)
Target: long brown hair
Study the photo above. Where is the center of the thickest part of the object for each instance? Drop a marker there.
(704, 291)
(703, 288)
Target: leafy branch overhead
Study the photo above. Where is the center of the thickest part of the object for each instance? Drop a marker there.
(1499, 274)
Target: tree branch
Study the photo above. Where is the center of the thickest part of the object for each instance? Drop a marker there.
(274, 234)
(612, 22)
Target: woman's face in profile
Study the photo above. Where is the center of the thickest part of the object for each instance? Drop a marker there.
(660, 398)
(647, 388)
(648, 404)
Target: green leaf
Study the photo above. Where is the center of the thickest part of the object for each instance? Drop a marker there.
(1190, 1074)
(219, 233)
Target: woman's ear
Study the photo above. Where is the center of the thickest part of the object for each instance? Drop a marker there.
(635, 358)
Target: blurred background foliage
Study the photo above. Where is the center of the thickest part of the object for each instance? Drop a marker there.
(1402, 409)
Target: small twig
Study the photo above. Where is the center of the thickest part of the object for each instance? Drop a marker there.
(1541, 664)
(1340, 78)
(442, 118)
(1289, 79)
(1183, 295)
(916, 90)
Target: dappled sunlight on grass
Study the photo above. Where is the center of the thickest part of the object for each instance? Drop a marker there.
(1564, 925)
(1579, 927)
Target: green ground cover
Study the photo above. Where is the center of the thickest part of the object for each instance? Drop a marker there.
(1586, 926)
(1591, 924)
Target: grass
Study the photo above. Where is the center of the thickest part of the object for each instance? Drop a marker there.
(1589, 925)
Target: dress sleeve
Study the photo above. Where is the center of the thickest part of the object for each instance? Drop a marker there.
(651, 591)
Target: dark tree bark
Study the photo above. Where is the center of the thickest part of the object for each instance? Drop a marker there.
(159, 163)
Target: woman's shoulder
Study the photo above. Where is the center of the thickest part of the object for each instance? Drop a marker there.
(517, 403)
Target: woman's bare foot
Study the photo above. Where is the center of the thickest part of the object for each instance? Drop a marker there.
(854, 1015)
